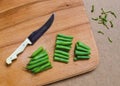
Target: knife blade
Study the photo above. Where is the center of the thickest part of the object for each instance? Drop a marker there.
(31, 39)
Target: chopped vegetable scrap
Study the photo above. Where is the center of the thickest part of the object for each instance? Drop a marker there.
(104, 19)
(39, 61)
(92, 10)
(109, 40)
(63, 46)
(101, 32)
(81, 51)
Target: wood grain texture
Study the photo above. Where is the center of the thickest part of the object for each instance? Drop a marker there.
(17, 21)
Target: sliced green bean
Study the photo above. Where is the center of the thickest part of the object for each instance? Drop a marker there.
(39, 50)
(37, 64)
(61, 47)
(64, 39)
(65, 36)
(61, 56)
(93, 8)
(60, 59)
(37, 60)
(42, 68)
(41, 55)
(81, 58)
(63, 42)
(81, 53)
(81, 48)
(81, 44)
(62, 52)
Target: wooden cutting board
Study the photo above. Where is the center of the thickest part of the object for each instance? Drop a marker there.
(18, 18)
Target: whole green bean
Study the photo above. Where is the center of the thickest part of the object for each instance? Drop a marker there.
(59, 42)
(37, 51)
(81, 48)
(37, 60)
(61, 56)
(37, 64)
(81, 58)
(64, 39)
(41, 55)
(61, 47)
(81, 53)
(42, 68)
(62, 52)
(61, 59)
(81, 44)
(65, 36)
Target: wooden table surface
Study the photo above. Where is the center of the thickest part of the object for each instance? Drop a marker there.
(108, 71)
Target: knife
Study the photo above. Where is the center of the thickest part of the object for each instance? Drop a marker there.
(32, 38)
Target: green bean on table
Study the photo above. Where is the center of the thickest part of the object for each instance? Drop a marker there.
(41, 55)
(64, 39)
(65, 36)
(81, 48)
(58, 42)
(61, 56)
(37, 64)
(62, 52)
(61, 47)
(81, 53)
(37, 60)
(39, 50)
(81, 44)
(81, 58)
(41, 68)
(60, 59)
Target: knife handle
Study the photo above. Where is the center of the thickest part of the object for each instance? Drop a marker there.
(19, 50)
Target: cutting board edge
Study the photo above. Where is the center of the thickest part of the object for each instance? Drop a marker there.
(90, 69)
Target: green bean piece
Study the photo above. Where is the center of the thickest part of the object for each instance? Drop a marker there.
(112, 13)
(62, 52)
(37, 60)
(109, 39)
(65, 36)
(37, 64)
(60, 59)
(58, 42)
(81, 48)
(37, 52)
(61, 56)
(101, 32)
(92, 10)
(81, 58)
(42, 68)
(111, 23)
(41, 55)
(81, 44)
(61, 47)
(95, 19)
(64, 39)
(81, 53)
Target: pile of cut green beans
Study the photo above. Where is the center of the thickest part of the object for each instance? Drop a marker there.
(81, 51)
(39, 61)
(63, 46)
